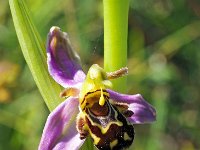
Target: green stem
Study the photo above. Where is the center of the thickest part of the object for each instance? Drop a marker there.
(115, 38)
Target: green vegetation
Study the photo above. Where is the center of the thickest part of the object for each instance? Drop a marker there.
(163, 62)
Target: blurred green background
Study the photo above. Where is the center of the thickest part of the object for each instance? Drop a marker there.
(164, 66)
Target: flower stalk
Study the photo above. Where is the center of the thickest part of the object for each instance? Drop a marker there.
(115, 38)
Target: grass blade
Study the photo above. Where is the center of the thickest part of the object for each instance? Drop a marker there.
(34, 52)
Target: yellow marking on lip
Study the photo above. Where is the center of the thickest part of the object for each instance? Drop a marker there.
(86, 128)
(93, 94)
(113, 143)
(95, 138)
(126, 136)
(104, 130)
(97, 92)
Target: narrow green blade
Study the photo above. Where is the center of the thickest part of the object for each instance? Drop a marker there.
(34, 53)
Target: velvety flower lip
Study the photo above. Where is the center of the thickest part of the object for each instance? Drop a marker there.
(143, 111)
(63, 62)
(60, 129)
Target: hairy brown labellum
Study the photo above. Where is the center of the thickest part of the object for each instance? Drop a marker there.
(107, 125)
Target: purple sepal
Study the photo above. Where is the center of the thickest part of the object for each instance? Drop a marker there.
(63, 62)
(60, 129)
(143, 111)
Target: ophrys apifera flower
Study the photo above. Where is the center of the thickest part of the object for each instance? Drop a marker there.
(91, 108)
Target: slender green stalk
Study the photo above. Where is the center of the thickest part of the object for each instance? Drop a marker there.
(115, 38)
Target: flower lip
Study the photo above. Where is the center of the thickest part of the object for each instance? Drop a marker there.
(63, 62)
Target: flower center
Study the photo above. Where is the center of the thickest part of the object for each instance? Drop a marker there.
(99, 110)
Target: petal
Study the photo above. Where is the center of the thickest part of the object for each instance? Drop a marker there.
(63, 62)
(60, 129)
(143, 111)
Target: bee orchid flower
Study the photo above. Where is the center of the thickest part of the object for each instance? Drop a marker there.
(91, 108)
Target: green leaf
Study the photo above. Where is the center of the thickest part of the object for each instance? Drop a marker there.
(88, 145)
(34, 52)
